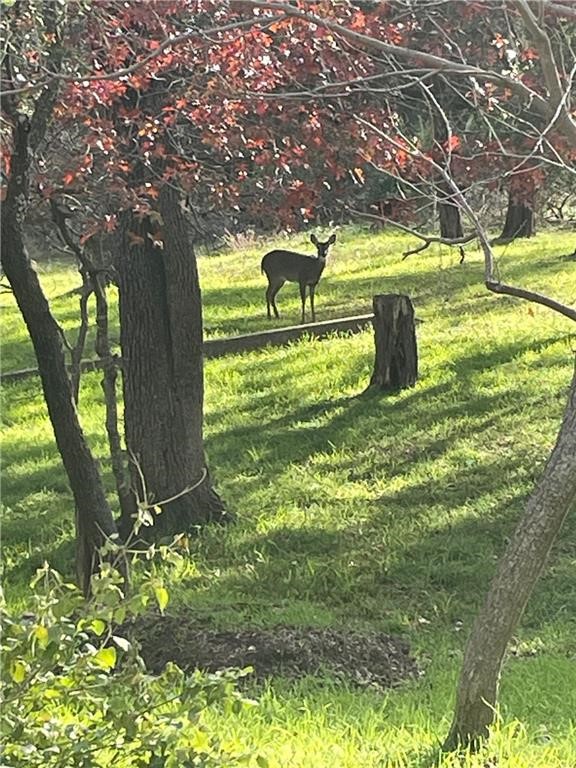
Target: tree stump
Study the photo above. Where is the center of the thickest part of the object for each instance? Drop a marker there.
(396, 362)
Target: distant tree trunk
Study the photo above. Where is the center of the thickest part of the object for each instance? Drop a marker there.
(161, 340)
(94, 522)
(449, 214)
(519, 570)
(396, 362)
(451, 224)
(520, 219)
(450, 221)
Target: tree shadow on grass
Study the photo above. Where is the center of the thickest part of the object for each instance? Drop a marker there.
(447, 561)
(302, 432)
(397, 429)
(438, 570)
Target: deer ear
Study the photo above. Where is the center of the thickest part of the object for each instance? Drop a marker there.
(332, 240)
(314, 239)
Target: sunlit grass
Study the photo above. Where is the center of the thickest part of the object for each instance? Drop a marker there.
(356, 510)
(307, 725)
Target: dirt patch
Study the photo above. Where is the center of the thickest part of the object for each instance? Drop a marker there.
(365, 659)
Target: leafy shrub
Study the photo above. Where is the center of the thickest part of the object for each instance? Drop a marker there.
(76, 693)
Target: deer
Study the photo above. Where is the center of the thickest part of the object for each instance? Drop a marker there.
(280, 266)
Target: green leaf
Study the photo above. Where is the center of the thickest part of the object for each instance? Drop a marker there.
(200, 741)
(18, 671)
(98, 627)
(261, 761)
(41, 635)
(105, 658)
(162, 597)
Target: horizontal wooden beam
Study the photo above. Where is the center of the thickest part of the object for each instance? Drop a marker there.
(279, 336)
(232, 345)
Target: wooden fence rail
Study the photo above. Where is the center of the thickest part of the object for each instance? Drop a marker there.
(249, 341)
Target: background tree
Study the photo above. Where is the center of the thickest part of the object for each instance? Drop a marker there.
(29, 34)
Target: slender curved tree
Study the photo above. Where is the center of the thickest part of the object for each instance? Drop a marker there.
(29, 119)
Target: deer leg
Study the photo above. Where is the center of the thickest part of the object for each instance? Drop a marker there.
(268, 313)
(312, 289)
(303, 298)
(273, 289)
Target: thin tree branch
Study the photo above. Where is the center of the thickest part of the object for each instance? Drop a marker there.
(569, 11)
(426, 60)
(558, 96)
(428, 240)
(95, 278)
(537, 298)
(490, 280)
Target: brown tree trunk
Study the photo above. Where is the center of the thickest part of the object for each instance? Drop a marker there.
(163, 380)
(449, 214)
(396, 362)
(451, 224)
(520, 220)
(450, 221)
(94, 522)
(518, 571)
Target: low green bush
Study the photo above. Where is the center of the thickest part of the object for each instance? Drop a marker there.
(76, 693)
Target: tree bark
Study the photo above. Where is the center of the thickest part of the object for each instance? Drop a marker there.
(520, 220)
(451, 224)
(396, 362)
(163, 379)
(94, 521)
(449, 214)
(518, 571)
(450, 221)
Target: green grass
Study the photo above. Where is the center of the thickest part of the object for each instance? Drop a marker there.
(355, 509)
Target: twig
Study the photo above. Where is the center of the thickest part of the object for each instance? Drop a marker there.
(95, 279)
(492, 284)
(428, 240)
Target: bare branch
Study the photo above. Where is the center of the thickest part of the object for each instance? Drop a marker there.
(537, 298)
(558, 97)
(490, 280)
(428, 240)
(569, 11)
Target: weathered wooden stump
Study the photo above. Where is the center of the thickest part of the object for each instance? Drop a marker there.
(396, 363)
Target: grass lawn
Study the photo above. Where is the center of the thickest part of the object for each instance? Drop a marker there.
(355, 510)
